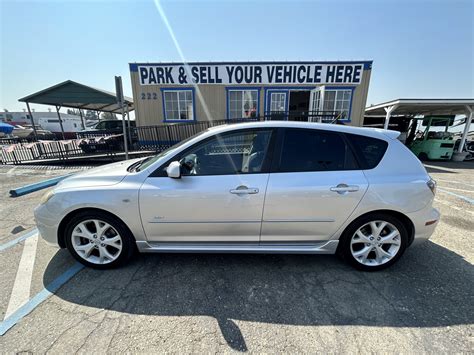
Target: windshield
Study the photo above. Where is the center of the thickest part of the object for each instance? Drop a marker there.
(150, 160)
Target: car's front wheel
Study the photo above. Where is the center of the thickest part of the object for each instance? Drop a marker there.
(99, 240)
(374, 242)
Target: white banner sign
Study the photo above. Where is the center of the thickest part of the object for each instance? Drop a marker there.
(235, 74)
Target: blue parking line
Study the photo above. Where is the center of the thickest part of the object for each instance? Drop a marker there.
(14, 242)
(462, 197)
(39, 298)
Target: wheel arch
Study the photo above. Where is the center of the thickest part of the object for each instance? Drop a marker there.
(407, 222)
(64, 222)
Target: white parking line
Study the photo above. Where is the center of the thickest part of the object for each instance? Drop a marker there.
(455, 189)
(455, 182)
(39, 297)
(462, 197)
(454, 207)
(21, 288)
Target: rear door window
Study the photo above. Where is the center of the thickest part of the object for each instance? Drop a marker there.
(314, 150)
(370, 151)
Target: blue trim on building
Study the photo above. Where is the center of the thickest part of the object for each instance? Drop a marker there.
(367, 63)
(241, 88)
(163, 90)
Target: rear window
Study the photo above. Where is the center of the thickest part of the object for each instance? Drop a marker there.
(369, 151)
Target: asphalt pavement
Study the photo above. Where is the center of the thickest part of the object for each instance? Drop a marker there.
(235, 303)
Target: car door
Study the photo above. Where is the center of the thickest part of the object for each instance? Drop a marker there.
(314, 186)
(220, 195)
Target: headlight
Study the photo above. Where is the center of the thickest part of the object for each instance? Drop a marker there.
(46, 197)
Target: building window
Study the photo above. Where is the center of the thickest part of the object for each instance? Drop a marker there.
(338, 101)
(242, 103)
(278, 102)
(178, 105)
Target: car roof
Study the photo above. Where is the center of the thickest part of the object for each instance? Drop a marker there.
(365, 131)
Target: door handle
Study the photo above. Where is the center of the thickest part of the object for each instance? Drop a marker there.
(344, 188)
(244, 190)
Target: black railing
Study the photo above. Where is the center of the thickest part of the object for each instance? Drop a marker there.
(21, 152)
(143, 139)
(161, 137)
(303, 116)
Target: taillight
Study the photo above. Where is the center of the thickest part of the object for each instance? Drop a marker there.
(432, 185)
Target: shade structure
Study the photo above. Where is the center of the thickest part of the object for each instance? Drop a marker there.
(76, 95)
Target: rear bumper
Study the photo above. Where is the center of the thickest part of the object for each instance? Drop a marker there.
(425, 222)
(47, 225)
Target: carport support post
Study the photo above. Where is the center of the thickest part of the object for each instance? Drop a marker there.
(82, 119)
(388, 111)
(60, 121)
(32, 120)
(125, 140)
(469, 112)
(122, 103)
(128, 124)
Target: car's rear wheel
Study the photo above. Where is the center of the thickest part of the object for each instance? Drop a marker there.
(99, 240)
(374, 242)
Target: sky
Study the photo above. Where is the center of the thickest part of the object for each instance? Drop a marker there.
(420, 49)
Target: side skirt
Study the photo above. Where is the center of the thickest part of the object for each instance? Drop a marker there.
(324, 247)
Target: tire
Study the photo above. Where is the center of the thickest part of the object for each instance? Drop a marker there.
(352, 243)
(423, 156)
(117, 240)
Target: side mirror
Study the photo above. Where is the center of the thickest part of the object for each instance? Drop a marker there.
(174, 170)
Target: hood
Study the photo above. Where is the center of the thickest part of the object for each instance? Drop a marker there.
(105, 175)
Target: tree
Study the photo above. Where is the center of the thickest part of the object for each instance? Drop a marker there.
(108, 116)
(91, 115)
(72, 111)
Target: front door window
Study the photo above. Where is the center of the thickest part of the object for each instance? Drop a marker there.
(236, 153)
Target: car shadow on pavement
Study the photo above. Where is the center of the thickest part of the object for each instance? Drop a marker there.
(429, 287)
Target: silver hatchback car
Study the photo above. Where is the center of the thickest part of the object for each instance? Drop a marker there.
(263, 187)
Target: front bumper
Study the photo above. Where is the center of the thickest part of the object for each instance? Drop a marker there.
(47, 224)
(425, 222)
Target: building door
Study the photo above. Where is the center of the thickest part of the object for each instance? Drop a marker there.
(298, 106)
(277, 105)
(316, 99)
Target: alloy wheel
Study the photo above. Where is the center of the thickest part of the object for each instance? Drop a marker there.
(96, 241)
(375, 243)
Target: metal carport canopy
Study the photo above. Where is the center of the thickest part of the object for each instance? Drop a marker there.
(75, 95)
(414, 107)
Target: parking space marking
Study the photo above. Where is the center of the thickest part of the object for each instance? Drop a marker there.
(456, 189)
(462, 197)
(455, 182)
(454, 207)
(14, 242)
(39, 298)
(21, 288)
